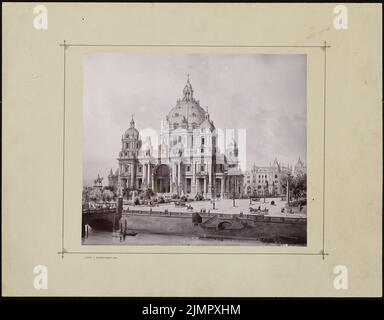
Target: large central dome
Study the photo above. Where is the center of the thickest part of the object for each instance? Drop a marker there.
(187, 112)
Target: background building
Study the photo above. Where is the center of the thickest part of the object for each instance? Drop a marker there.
(267, 180)
(300, 169)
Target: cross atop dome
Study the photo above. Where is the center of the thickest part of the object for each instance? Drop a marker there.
(132, 122)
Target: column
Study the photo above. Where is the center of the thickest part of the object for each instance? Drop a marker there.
(196, 179)
(210, 181)
(172, 177)
(132, 174)
(178, 173)
(149, 175)
(209, 169)
(205, 186)
(193, 182)
(144, 176)
(222, 188)
(172, 165)
(119, 186)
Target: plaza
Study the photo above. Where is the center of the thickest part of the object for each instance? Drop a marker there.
(225, 206)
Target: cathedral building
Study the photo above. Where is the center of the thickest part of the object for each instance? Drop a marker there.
(187, 161)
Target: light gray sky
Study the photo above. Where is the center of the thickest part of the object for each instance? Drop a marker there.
(262, 93)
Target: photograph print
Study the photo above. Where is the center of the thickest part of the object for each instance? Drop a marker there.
(194, 149)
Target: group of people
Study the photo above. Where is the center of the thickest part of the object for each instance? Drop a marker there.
(265, 210)
(104, 205)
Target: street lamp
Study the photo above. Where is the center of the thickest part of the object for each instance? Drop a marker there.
(213, 190)
(288, 193)
(234, 193)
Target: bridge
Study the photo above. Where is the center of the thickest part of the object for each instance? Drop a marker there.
(102, 219)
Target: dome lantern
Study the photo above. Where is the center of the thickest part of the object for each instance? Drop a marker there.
(188, 91)
(206, 114)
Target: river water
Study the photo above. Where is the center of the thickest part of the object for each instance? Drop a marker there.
(96, 237)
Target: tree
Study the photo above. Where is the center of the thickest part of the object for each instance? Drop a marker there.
(297, 185)
(110, 188)
(299, 189)
(284, 182)
(107, 195)
(95, 194)
(149, 193)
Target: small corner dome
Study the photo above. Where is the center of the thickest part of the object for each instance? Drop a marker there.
(131, 132)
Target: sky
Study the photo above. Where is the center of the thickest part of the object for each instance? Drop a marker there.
(264, 94)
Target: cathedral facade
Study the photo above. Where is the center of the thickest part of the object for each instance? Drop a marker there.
(187, 161)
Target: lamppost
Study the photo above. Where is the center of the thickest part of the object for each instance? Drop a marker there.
(213, 190)
(87, 198)
(265, 190)
(288, 193)
(213, 173)
(234, 192)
